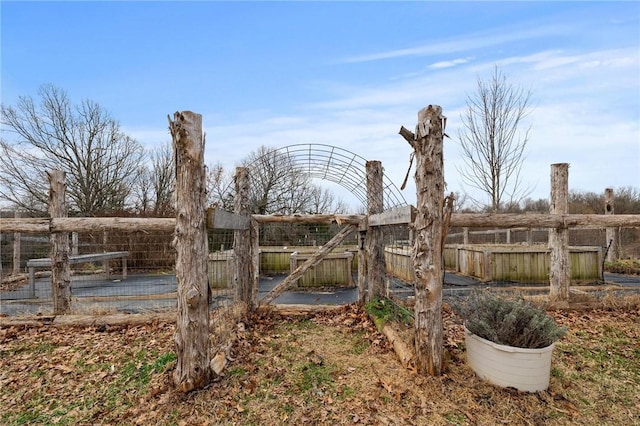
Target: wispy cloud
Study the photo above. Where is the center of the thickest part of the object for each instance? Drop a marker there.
(449, 64)
(572, 99)
(547, 59)
(467, 43)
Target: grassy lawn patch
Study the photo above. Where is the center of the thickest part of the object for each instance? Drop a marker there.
(327, 369)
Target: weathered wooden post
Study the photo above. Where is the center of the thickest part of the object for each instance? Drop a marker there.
(242, 240)
(16, 247)
(560, 270)
(362, 264)
(427, 253)
(613, 250)
(60, 270)
(255, 259)
(374, 241)
(190, 241)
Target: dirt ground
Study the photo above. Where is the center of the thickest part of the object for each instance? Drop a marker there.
(324, 369)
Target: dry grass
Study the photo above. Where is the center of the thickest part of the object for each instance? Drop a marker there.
(624, 266)
(326, 369)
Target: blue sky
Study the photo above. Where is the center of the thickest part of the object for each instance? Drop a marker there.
(347, 74)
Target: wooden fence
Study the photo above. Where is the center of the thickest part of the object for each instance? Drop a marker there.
(277, 259)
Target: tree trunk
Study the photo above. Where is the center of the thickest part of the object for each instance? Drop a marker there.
(560, 271)
(427, 253)
(192, 325)
(60, 270)
(374, 241)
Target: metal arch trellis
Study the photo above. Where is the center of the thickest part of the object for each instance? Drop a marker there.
(337, 165)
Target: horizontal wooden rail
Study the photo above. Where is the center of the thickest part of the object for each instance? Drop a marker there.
(340, 219)
(478, 220)
(86, 224)
(513, 220)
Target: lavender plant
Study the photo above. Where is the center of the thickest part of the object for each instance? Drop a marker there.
(511, 322)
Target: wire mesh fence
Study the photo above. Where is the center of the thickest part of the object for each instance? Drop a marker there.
(125, 272)
(140, 274)
(286, 247)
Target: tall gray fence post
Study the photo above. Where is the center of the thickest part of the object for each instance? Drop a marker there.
(362, 265)
(374, 242)
(242, 240)
(60, 269)
(560, 270)
(192, 369)
(430, 231)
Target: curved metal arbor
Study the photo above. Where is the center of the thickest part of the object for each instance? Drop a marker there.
(337, 165)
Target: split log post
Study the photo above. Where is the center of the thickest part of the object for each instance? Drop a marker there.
(312, 261)
(427, 253)
(60, 269)
(376, 266)
(190, 241)
(255, 259)
(465, 235)
(611, 234)
(362, 265)
(560, 270)
(242, 240)
(16, 247)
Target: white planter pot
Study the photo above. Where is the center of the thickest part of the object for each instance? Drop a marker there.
(507, 366)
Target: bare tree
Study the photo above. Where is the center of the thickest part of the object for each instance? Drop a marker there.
(278, 186)
(323, 200)
(82, 140)
(153, 189)
(164, 177)
(627, 201)
(540, 205)
(220, 188)
(141, 192)
(492, 146)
